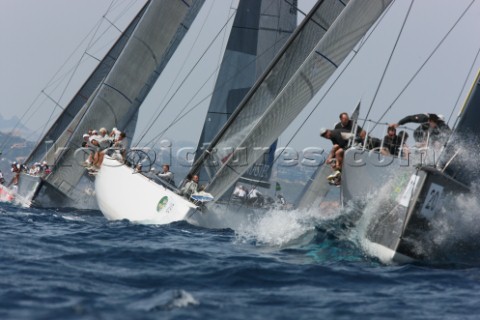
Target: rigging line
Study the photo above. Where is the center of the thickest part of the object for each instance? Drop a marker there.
(53, 100)
(316, 106)
(377, 23)
(456, 102)
(311, 112)
(71, 55)
(112, 24)
(165, 105)
(51, 81)
(389, 60)
(355, 52)
(88, 47)
(304, 14)
(159, 113)
(220, 53)
(239, 70)
(172, 83)
(72, 73)
(185, 79)
(180, 116)
(94, 39)
(67, 84)
(294, 5)
(40, 93)
(92, 34)
(92, 56)
(425, 62)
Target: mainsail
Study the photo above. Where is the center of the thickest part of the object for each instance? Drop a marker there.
(145, 55)
(253, 129)
(83, 94)
(259, 30)
(270, 84)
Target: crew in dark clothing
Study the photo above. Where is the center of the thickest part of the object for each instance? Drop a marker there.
(335, 158)
(431, 125)
(335, 136)
(346, 124)
(391, 142)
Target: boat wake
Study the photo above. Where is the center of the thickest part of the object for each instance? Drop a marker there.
(282, 228)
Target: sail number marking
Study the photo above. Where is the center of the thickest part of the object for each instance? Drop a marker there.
(433, 201)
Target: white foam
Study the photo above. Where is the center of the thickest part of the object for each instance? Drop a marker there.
(182, 299)
(282, 228)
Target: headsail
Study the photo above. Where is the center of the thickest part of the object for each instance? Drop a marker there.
(151, 45)
(271, 83)
(83, 94)
(299, 88)
(259, 30)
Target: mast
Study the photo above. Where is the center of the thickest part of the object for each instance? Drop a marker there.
(85, 91)
(266, 113)
(275, 77)
(259, 30)
(144, 57)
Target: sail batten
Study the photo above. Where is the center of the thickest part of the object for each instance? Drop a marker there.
(272, 81)
(83, 94)
(268, 113)
(259, 30)
(151, 45)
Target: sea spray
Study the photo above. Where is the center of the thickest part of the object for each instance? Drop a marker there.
(281, 228)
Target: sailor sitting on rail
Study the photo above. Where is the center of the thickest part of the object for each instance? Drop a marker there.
(346, 125)
(335, 157)
(190, 187)
(167, 175)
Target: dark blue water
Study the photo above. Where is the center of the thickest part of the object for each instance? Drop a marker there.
(77, 265)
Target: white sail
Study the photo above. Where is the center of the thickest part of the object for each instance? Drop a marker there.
(79, 100)
(251, 130)
(257, 33)
(259, 30)
(146, 53)
(274, 79)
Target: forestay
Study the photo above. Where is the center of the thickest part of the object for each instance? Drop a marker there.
(267, 113)
(259, 30)
(79, 100)
(269, 85)
(153, 42)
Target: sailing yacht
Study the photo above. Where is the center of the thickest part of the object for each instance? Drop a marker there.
(110, 98)
(405, 231)
(310, 56)
(259, 30)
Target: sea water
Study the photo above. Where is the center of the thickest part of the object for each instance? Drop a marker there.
(287, 265)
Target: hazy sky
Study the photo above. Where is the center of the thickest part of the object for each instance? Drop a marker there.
(38, 36)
